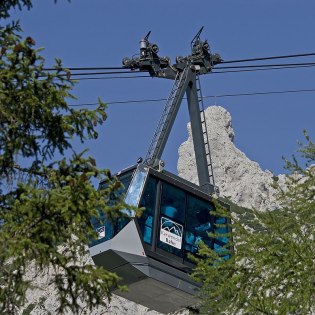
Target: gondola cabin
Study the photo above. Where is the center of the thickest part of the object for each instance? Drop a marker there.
(151, 252)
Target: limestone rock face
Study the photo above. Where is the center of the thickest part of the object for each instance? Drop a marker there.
(238, 178)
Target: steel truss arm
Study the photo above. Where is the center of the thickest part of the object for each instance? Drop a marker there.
(186, 82)
(167, 119)
(198, 136)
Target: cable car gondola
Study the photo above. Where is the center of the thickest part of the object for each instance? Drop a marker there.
(152, 253)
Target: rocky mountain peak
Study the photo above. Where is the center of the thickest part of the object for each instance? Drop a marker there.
(238, 178)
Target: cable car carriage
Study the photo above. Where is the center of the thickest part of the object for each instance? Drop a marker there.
(151, 253)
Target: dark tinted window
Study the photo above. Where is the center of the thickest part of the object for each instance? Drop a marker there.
(199, 223)
(221, 230)
(172, 214)
(221, 227)
(125, 179)
(147, 218)
(107, 228)
(173, 203)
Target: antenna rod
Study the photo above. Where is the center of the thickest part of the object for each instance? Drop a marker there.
(196, 36)
(147, 36)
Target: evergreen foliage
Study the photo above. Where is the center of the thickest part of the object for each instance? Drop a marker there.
(47, 202)
(7, 5)
(272, 270)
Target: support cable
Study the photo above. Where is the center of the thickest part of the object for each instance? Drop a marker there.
(270, 58)
(85, 68)
(263, 69)
(269, 65)
(102, 73)
(110, 78)
(220, 70)
(223, 62)
(204, 97)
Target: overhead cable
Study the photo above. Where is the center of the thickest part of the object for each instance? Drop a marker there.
(269, 65)
(270, 58)
(102, 73)
(225, 61)
(116, 77)
(213, 72)
(205, 97)
(85, 68)
(263, 69)
(71, 74)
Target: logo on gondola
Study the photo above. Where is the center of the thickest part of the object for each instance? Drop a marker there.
(100, 232)
(171, 233)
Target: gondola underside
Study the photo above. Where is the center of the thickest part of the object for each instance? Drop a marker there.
(150, 283)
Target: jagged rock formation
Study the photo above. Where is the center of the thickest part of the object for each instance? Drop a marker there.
(238, 178)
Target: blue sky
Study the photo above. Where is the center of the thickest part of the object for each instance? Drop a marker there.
(98, 33)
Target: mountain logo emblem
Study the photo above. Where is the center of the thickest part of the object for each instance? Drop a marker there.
(100, 232)
(171, 233)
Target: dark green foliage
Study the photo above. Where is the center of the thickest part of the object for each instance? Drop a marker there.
(7, 5)
(272, 270)
(245, 215)
(46, 203)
